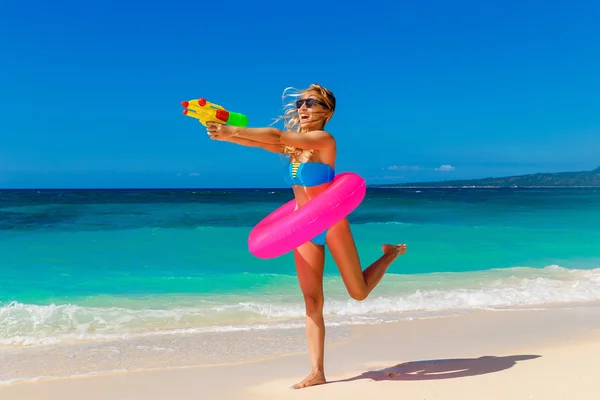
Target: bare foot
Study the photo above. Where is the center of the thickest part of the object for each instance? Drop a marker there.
(315, 378)
(395, 251)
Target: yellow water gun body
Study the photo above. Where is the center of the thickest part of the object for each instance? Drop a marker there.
(206, 111)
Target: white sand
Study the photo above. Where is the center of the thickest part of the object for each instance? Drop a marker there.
(552, 354)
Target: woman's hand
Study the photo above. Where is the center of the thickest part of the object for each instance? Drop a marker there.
(219, 131)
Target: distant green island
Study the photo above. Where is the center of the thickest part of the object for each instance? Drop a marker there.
(557, 179)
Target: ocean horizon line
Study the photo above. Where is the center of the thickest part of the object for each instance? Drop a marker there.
(396, 186)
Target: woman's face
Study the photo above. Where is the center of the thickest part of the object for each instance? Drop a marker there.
(312, 112)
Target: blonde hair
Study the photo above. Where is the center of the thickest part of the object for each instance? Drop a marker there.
(290, 118)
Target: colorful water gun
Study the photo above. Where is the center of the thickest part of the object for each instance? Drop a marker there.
(206, 111)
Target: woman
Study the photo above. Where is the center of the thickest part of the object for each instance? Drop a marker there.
(312, 153)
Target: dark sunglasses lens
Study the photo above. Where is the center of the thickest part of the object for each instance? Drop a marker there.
(309, 102)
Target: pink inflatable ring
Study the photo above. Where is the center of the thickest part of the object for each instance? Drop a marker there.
(285, 229)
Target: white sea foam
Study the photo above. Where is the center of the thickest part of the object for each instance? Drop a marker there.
(401, 297)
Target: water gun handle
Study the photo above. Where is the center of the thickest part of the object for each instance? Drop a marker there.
(209, 112)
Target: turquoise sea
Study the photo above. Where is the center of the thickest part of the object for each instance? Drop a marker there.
(83, 267)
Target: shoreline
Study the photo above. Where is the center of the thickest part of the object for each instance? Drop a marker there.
(191, 349)
(374, 353)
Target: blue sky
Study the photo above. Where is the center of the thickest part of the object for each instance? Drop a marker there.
(91, 91)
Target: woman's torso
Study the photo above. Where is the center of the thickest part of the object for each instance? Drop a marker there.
(313, 174)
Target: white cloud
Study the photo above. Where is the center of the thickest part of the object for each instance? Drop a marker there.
(445, 168)
(194, 174)
(402, 168)
(415, 168)
(385, 178)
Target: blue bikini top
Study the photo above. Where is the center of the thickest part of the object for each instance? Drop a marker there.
(310, 173)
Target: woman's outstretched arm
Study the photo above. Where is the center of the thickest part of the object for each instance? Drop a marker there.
(275, 148)
(317, 140)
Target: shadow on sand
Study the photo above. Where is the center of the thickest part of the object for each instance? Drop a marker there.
(441, 369)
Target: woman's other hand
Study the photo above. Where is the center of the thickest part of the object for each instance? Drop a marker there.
(219, 131)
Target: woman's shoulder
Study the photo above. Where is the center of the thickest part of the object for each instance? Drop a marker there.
(322, 134)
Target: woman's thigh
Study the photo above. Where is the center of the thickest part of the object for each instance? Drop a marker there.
(310, 262)
(345, 254)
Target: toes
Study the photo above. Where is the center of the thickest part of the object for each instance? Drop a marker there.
(299, 386)
(309, 382)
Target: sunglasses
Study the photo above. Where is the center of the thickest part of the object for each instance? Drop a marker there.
(310, 102)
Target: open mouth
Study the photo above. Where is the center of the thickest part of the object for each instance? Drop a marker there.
(304, 117)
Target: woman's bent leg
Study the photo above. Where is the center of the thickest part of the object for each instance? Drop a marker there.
(359, 283)
(310, 260)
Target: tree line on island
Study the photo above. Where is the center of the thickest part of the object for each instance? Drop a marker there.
(541, 179)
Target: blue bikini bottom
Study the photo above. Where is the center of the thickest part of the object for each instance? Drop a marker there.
(320, 240)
